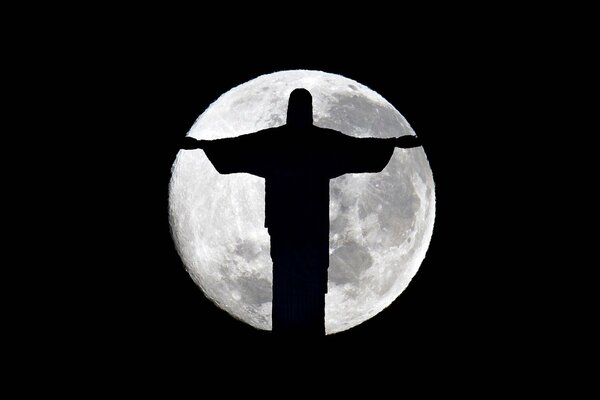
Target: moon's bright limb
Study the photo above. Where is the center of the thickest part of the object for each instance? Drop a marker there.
(381, 224)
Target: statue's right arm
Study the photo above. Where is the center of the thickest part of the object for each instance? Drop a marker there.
(246, 153)
(189, 143)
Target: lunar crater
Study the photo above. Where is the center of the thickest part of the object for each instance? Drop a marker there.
(348, 261)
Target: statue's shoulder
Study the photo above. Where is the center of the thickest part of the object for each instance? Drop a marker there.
(328, 131)
(335, 137)
(270, 131)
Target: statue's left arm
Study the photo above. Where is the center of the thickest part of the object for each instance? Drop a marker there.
(364, 155)
(407, 142)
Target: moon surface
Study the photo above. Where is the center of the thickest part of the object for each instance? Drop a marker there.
(380, 224)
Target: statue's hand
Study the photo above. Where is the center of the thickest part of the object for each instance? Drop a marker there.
(407, 142)
(189, 143)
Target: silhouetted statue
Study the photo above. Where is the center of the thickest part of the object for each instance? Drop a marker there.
(297, 161)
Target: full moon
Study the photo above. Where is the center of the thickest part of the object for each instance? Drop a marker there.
(380, 224)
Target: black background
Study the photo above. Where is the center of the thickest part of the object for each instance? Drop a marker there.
(106, 94)
(454, 301)
(129, 299)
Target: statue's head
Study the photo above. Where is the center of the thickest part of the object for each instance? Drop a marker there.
(299, 111)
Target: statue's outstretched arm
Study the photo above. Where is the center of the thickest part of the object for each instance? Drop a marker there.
(407, 142)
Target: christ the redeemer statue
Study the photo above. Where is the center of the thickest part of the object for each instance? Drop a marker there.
(297, 160)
